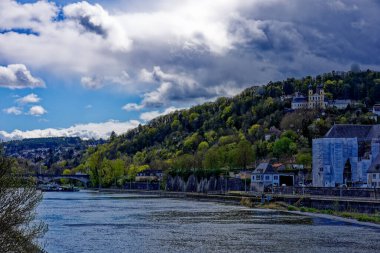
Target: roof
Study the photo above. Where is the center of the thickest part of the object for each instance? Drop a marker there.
(341, 101)
(276, 165)
(151, 171)
(299, 100)
(354, 131)
(265, 168)
(375, 166)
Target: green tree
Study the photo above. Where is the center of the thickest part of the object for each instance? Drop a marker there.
(175, 125)
(304, 159)
(134, 169)
(210, 136)
(256, 132)
(94, 163)
(113, 136)
(203, 146)
(191, 143)
(244, 154)
(212, 159)
(65, 180)
(290, 134)
(284, 147)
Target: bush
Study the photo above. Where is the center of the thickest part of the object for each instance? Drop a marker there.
(18, 200)
(292, 208)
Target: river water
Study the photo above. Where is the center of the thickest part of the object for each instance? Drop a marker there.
(100, 222)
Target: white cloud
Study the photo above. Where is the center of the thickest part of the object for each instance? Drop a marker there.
(97, 82)
(94, 19)
(202, 44)
(132, 107)
(37, 110)
(176, 88)
(17, 76)
(85, 131)
(173, 87)
(147, 116)
(91, 82)
(108, 42)
(29, 99)
(13, 14)
(13, 110)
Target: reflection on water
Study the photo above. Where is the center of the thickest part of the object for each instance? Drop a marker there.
(100, 222)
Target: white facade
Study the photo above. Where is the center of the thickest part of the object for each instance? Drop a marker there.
(376, 109)
(330, 156)
(260, 181)
(340, 103)
(299, 105)
(318, 100)
(373, 180)
(347, 155)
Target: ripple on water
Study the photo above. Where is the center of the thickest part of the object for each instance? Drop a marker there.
(96, 222)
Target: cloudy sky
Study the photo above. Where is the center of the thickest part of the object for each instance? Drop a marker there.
(70, 68)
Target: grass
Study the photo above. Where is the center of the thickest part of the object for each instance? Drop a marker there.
(374, 218)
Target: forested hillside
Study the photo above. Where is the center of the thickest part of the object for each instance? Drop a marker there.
(233, 133)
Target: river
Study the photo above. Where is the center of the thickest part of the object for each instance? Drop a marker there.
(102, 222)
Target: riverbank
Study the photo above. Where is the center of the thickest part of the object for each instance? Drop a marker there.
(354, 218)
(257, 202)
(360, 217)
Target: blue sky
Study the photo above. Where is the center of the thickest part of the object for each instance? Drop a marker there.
(86, 68)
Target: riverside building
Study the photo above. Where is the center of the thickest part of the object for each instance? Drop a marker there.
(345, 155)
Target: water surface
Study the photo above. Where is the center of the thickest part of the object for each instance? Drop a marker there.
(101, 222)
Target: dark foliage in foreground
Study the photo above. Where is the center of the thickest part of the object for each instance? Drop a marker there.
(18, 200)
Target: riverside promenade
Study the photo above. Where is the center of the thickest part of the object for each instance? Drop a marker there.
(338, 203)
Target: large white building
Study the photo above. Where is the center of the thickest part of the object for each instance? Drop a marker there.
(373, 174)
(347, 155)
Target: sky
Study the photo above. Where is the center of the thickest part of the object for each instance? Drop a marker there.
(86, 68)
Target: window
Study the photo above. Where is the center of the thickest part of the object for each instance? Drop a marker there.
(321, 169)
(266, 178)
(253, 177)
(374, 176)
(275, 177)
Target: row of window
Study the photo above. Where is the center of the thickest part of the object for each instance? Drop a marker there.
(375, 184)
(261, 177)
(316, 98)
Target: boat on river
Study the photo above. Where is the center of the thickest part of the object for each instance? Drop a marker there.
(57, 188)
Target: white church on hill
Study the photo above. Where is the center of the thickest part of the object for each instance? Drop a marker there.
(317, 100)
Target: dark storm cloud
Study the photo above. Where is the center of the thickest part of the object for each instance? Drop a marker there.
(91, 27)
(217, 46)
(269, 40)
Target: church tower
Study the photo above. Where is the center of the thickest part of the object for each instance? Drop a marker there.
(310, 104)
(321, 97)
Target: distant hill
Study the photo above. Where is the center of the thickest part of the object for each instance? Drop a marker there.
(232, 133)
(55, 153)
